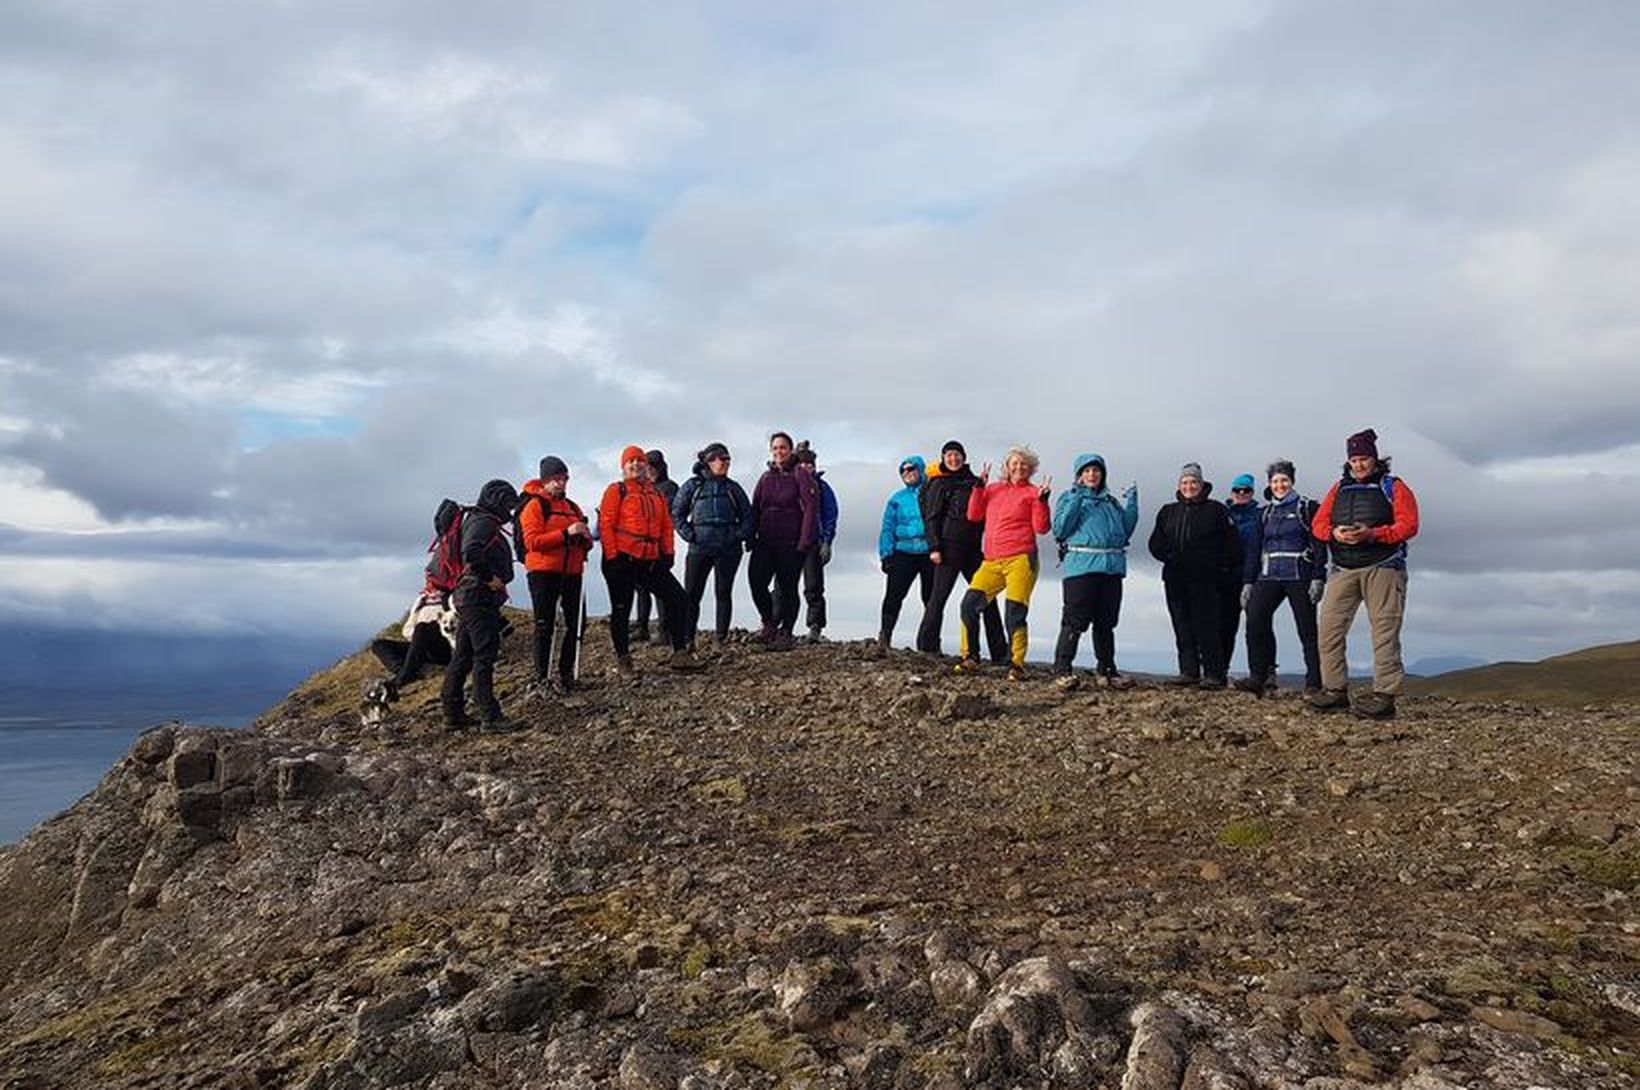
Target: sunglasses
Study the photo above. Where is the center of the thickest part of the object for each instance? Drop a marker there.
(1247, 491)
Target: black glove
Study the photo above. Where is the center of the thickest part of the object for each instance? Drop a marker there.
(883, 563)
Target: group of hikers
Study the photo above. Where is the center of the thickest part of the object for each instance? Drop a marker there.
(1220, 561)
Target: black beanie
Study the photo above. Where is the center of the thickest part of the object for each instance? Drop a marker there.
(1282, 466)
(553, 466)
(952, 444)
(713, 450)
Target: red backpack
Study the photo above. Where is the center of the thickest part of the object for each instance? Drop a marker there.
(444, 569)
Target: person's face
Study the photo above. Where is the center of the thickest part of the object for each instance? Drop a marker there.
(1189, 487)
(1092, 475)
(953, 460)
(719, 466)
(1017, 469)
(555, 486)
(1362, 465)
(780, 449)
(1242, 495)
(636, 469)
(1280, 485)
(909, 474)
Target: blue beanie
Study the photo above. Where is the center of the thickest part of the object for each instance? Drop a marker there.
(1243, 481)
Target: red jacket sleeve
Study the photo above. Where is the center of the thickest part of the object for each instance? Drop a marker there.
(1405, 525)
(977, 498)
(1321, 525)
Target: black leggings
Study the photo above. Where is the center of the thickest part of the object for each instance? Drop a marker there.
(1268, 594)
(781, 565)
(405, 660)
(1193, 603)
(552, 593)
(697, 568)
(933, 618)
(903, 569)
(624, 575)
(1093, 599)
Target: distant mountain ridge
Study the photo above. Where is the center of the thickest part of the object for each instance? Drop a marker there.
(1608, 674)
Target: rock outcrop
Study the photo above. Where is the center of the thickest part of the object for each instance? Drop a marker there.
(829, 869)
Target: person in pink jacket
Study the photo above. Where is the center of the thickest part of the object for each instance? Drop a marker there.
(1014, 511)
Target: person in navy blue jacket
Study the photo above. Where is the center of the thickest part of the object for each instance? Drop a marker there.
(902, 547)
(1284, 563)
(814, 565)
(713, 514)
(1244, 515)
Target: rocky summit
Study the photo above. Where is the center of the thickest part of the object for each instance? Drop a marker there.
(829, 868)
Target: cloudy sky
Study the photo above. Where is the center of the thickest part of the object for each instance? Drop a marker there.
(274, 278)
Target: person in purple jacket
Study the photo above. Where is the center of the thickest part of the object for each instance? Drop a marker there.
(785, 515)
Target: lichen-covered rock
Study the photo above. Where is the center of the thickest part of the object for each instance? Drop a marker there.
(1035, 1021)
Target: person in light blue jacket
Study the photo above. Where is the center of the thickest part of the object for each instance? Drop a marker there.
(902, 547)
(1093, 528)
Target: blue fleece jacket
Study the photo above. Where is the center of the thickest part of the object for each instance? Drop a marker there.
(903, 530)
(1093, 526)
(1246, 517)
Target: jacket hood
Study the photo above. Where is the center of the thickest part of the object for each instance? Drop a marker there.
(499, 498)
(1083, 461)
(532, 487)
(916, 460)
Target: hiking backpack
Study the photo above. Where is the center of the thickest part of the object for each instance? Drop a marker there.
(444, 569)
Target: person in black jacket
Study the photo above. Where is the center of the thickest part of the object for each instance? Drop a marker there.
(487, 568)
(668, 488)
(954, 549)
(714, 515)
(1199, 548)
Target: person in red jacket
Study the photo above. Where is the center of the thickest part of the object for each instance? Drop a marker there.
(1014, 511)
(635, 526)
(554, 540)
(1367, 518)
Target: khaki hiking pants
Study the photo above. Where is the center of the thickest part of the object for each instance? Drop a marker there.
(1384, 590)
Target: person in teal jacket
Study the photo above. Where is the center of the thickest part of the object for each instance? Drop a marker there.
(902, 547)
(1093, 528)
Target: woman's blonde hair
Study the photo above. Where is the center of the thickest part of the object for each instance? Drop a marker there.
(1024, 452)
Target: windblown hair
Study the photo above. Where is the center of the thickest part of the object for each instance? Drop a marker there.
(1030, 456)
(773, 435)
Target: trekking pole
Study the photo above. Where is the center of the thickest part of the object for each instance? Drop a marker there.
(581, 628)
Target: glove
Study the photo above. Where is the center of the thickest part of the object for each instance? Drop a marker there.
(1129, 493)
(825, 553)
(1316, 587)
(1246, 594)
(883, 564)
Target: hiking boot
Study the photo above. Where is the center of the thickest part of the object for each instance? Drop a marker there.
(1016, 673)
(498, 725)
(458, 719)
(765, 633)
(640, 633)
(720, 640)
(1183, 681)
(814, 633)
(624, 667)
(1375, 706)
(537, 692)
(1252, 685)
(969, 665)
(560, 686)
(1310, 691)
(1330, 700)
(1213, 684)
(1115, 680)
(684, 659)
(1067, 683)
(781, 641)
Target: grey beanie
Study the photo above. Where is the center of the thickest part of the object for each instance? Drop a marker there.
(1190, 469)
(1283, 467)
(553, 466)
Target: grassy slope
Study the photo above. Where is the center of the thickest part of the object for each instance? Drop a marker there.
(1595, 675)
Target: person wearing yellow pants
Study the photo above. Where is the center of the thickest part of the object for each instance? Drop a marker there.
(1015, 511)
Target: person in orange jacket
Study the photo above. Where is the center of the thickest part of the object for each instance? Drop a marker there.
(1015, 511)
(553, 540)
(635, 526)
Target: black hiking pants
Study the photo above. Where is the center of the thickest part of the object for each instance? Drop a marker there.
(933, 618)
(624, 574)
(697, 568)
(1093, 600)
(902, 570)
(1268, 594)
(781, 565)
(404, 661)
(551, 594)
(1229, 614)
(645, 601)
(478, 644)
(814, 589)
(1193, 605)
